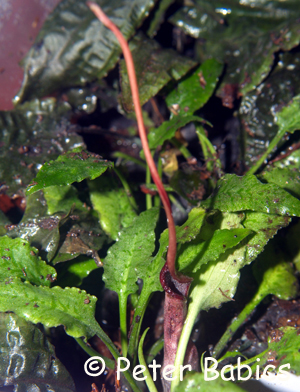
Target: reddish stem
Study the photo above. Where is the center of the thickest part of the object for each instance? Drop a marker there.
(143, 136)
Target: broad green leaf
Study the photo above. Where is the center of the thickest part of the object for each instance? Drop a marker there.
(112, 205)
(288, 119)
(283, 345)
(20, 260)
(70, 307)
(154, 66)
(74, 271)
(74, 48)
(72, 167)
(28, 360)
(195, 382)
(167, 130)
(195, 90)
(292, 161)
(235, 193)
(286, 178)
(30, 135)
(128, 259)
(200, 251)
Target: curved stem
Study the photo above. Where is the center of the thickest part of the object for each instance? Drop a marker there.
(143, 135)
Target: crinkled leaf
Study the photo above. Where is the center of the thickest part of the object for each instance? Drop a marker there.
(235, 193)
(72, 167)
(154, 66)
(283, 345)
(167, 130)
(74, 48)
(195, 382)
(195, 90)
(263, 110)
(19, 259)
(199, 252)
(28, 360)
(31, 134)
(286, 178)
(128, 259)
(112, 204)
(70, 307)
(244, 35)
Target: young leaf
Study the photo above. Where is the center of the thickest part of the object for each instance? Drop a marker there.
(235, 193)
(72, 167)
(195, 90)
(112, 204)
(20, 260)
(89, 49)
(154, 66)
(28, 360)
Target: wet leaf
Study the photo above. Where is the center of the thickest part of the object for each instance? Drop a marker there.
(30, 135)
(282, 345)
(195, 90)
(286, 178)
(19, 259)
(28, 360)
(245, 36)
(167, 130)
(155, 67)
(72, 167)
(235, 193)
(112, 204)
(74, 48)
(70, 307)
(270, 108)
(128, 259)
(195, 382)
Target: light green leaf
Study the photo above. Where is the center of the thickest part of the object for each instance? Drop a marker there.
(20, 260)
(112, 204)
(288, 119)
(72, 167)
(62, 199)
(195, 90)
(286, 178)
(235, 193)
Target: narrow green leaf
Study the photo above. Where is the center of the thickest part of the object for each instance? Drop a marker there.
(128, 259)
(235, 193)
(167, 130)
(72, 167)
(154, 66)
(20, 260)
(195, 90)
(28, 360)
(112, 204)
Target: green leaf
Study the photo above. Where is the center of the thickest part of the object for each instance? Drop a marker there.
(288, 119)
(72, 167)
(20, 260)
(128, 259)
(70, 307)
(62, 199)
(154, 66)
(200, 251)
(283, 345)
(30, 135)
(28, 360)
(74, 271)
(112, 205)
(158, 19)
(286, 178)
(167, 130)
(235, 193)
(195, 90)
(195, 382)
(74, 48)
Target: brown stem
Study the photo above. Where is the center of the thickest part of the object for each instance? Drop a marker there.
(143, 135)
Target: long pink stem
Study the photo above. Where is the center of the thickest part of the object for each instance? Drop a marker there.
(143, 135)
